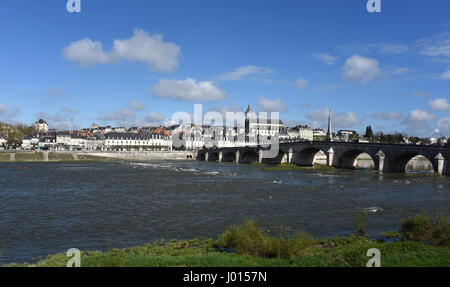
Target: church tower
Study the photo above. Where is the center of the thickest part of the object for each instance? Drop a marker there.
(250, 120)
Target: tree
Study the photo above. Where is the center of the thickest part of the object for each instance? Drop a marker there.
(369, 132)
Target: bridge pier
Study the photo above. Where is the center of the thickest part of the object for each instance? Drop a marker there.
(440, 163)
(330, 157)
(220, 156)
(290, 155)
(284, 159)
(237, 156)
(381, 157)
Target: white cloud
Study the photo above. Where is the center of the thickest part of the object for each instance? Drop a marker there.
(267, 105)
(150, 49)
(137, 106)
(8, 113)
(319, 114)
(122, 115)
(397, 70)
(440, 104)
(188, 90)
(418, 123)
(387, 116)
(419, 116)
(86, 53)
(444, 124)
(244, 72)
(389, 48)
(446, 75)
(361, 69)
(141, 47)
(436, 46)
(339, 120)
(301, 83)
(325, 58)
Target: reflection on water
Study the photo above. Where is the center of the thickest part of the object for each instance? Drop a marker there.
(49, 208)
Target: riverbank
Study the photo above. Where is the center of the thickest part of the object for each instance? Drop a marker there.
(52, 157)
(32, 156)
(248, 246)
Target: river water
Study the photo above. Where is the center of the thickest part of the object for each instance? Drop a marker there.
(47, 208)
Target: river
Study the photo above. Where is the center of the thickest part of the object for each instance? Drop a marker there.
(47, 208)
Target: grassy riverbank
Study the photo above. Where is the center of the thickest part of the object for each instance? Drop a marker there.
(52, 157)
(248, 246)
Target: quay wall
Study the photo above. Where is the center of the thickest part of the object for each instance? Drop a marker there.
(145, 155)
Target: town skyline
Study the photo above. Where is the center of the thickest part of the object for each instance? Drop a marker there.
(139, 71)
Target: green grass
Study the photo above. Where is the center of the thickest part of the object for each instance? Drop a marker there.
(252, 247)
(29, 156)
(4, 156)
(52, 156)
(390, 234)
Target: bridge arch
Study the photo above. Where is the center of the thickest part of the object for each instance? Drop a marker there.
(201, 156)
(249, 157)
(410, 162)
(213, 156)
(350, 159)
(305, 157)
(229, 157)
(420, 163)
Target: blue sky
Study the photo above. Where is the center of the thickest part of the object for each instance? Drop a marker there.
(137, 62)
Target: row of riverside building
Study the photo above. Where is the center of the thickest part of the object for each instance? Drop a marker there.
(255, 131)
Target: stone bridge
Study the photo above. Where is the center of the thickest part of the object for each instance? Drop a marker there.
(387, 157)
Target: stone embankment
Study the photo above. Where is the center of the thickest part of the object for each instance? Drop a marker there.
(144, 155)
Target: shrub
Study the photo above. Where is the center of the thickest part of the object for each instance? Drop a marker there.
(423, 228)
(247, 239)
(417, 228)
(441, 232)
(360, 223)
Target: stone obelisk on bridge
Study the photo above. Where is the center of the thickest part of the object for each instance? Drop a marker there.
(329, 132)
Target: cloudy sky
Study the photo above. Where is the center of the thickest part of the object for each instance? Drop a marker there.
(137, 62)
